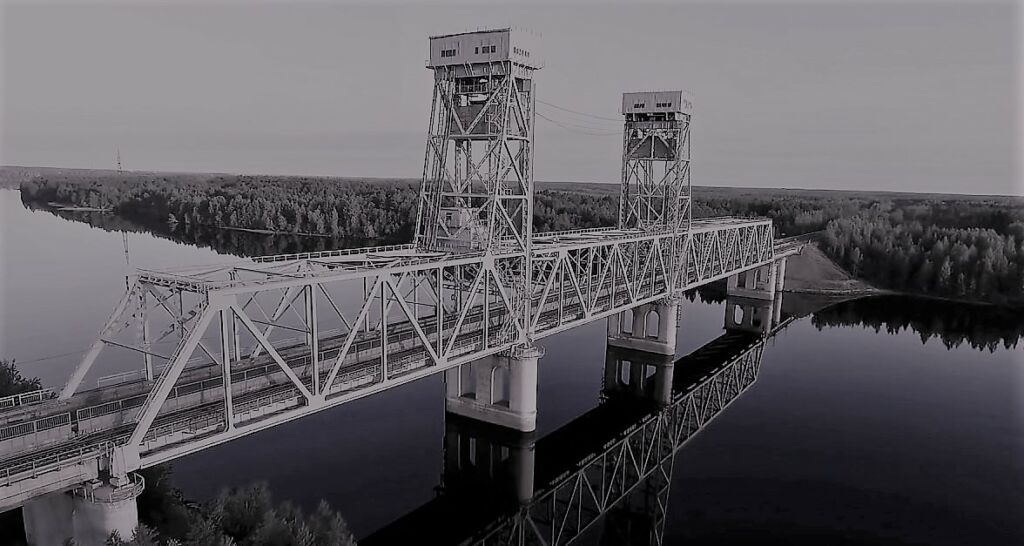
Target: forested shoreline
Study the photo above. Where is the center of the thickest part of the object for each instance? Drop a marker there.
(967, 248)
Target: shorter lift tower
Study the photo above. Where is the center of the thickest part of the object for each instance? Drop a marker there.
(655, 193)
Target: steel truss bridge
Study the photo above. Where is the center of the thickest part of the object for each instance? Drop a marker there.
(225, 351)
(501, 487)
(234, 312)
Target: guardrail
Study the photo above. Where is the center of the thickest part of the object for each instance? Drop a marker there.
(38, 425)
(118, 494)
(25, 398)
(52, 463)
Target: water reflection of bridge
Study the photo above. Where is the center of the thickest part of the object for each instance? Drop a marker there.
(609, 470)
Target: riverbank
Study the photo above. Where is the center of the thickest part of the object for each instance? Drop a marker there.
(812, 272)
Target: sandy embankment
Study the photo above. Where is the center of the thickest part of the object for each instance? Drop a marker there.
(812, 272)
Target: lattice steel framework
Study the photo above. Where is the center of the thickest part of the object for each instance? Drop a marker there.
(478, 172)
(655, 192)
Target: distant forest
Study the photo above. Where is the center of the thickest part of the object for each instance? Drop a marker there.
(969, 247)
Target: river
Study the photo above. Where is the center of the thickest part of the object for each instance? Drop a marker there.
(881, 421)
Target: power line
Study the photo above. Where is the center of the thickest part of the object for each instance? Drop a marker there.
(576, 124)
(618, 120)
(577, 129)
(51, 357)
(585, 124)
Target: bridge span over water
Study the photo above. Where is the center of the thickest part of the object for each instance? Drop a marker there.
(229, 350)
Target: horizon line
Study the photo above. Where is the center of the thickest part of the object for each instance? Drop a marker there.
(417, 178)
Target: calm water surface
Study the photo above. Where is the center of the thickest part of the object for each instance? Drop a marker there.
(864, 425)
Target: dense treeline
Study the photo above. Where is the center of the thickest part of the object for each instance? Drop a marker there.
(967, 247)
(224, 241)
(383, 211)
(983, 327)
(560, 210)
(935, 249)
(791, 215)
(352, 209)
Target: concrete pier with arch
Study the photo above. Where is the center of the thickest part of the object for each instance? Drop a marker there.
(650, 327)
(499, 389)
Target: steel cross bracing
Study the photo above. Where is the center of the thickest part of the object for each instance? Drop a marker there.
(566, 508)
(478, 173)
(655, 191)
(261, 321)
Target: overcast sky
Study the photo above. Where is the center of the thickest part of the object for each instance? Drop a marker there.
(915, 96)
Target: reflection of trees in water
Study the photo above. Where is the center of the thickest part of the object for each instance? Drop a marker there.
(224, 241)
(707, 293)
(981, 326)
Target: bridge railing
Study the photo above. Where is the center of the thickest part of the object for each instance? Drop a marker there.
(26, 398)
(51, 462)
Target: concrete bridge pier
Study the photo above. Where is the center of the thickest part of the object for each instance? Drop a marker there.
(759, 283)
(88, 514)
(650, 327)
(638, 373)
(499, 389)
(754, 298)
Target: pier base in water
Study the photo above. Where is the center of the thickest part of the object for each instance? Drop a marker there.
(650, 327)
(499, 389)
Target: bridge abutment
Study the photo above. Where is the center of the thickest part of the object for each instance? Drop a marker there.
(650, 327)
(88, 515)
(499, 389)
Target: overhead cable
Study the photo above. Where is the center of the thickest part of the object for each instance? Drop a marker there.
(618, 120)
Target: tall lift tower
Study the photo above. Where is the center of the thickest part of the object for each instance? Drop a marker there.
(478, 173)
(476, 195)
(655, 192)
